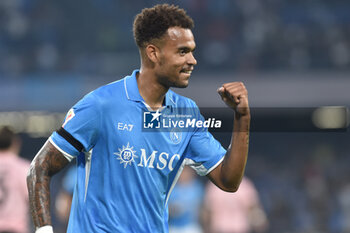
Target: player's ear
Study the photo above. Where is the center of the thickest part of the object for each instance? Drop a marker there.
(152, 52)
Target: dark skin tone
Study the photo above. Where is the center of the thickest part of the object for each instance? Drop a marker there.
(165, 62)
(164, 65)
(46, 163)
(228, 175)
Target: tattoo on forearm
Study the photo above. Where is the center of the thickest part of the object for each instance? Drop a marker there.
(46, 163)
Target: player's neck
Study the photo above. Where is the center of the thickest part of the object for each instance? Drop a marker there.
(151, 91)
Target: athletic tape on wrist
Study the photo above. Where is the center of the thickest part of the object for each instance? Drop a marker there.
(44, 229)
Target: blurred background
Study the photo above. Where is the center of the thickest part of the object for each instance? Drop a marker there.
(291, 54)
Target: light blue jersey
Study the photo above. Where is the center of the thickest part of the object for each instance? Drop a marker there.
(125, 174)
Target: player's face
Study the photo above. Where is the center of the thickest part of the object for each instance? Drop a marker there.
(176, 60)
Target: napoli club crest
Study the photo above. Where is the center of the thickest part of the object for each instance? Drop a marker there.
(175, 136)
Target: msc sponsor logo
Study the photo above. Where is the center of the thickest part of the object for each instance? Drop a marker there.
(155, 159)
(126, 155)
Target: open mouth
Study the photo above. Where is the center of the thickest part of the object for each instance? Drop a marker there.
(187, 71)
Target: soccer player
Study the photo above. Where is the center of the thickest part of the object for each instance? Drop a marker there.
(125, 175)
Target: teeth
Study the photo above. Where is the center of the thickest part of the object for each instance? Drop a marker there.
(188, 71)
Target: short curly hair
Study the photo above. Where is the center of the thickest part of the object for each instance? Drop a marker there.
(152, 23)
(6, 137)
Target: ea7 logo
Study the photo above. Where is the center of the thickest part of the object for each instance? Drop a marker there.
(151, 120)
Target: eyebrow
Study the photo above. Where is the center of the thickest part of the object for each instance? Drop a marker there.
(187, 49)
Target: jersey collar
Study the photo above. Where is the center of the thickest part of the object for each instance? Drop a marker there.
(133, 94)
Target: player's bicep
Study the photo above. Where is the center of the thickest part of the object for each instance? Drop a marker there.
(49, 160)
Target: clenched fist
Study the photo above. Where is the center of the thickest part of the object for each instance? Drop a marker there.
(235, 95)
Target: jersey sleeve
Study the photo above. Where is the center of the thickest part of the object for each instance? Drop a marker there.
(204, 152)
(80, 128)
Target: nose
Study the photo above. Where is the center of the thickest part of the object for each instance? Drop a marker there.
(191, 59)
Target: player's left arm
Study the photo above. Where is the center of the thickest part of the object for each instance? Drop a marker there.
(228, 174)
